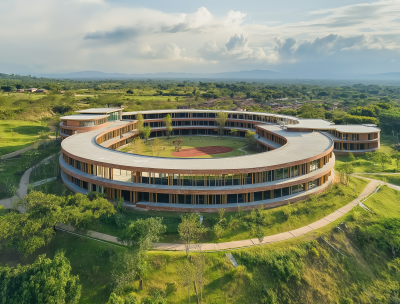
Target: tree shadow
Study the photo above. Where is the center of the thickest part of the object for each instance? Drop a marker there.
(29, 130)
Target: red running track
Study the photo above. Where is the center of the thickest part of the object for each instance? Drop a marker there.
(192, 152)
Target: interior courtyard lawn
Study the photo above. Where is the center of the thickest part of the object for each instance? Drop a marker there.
(197, 142)
(363, 165)
(280, 219)
(18, 134)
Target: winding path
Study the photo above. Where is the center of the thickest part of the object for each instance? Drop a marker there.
(368, 190)
(22, 188)
(210, 247)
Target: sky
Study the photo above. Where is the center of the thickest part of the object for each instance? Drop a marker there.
(311, 37)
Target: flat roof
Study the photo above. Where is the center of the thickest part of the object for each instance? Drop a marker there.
(300, 146)
(83, 117)
(210, 111)
(357, 128)
(321, 124)
(99, 110)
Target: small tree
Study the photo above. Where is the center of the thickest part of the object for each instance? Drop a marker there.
(396, 156)
(146, 132)
(137, 145)
(347, 169)
(250, 139)
(199, 263)
(221, 119)
(140, 122)
(140, 236)
(187, 272)
(168, 125)
(352, 157)
(383, 159)
(157, 146)
(190, 229)
(233, 132)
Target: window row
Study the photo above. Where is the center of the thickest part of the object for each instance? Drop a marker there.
(198, 199)
(193, 180)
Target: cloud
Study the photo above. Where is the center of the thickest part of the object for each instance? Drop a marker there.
(292, 49)
(119, 34)
(168, 51)
(237, 48)
(199, 22)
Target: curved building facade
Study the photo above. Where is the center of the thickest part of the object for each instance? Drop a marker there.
(297, 161)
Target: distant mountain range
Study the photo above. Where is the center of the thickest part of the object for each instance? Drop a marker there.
(252, 74)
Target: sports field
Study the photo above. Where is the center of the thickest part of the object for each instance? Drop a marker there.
(197, 147)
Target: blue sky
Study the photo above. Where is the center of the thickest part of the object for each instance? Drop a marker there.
(320, 38)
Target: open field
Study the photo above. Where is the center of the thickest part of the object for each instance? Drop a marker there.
(197, 142)
(363, 165)
(389, 178)
(18, 134)
(284, 218)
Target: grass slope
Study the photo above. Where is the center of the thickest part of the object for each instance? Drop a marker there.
(18, 134)
(303, 270)
(363, 165)
(300, 214)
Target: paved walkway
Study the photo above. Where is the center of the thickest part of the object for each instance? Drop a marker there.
(368, 190)
(22, 188)
(16, 153)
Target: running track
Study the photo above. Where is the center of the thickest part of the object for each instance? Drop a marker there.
(192, 152)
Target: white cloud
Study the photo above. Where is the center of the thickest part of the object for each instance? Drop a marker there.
(237, 48)
(70, 35)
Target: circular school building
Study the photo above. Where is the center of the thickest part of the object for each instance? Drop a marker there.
(295, 158)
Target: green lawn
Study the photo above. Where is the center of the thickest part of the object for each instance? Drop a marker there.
(197, 142)
(18, 134)
(385, 203)
(361, 164)
(389, 178)
(301, 213)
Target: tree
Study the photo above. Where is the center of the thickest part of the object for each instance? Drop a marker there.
(347, 169)
(130, 91)
(221, 119)
(352, 157)
(7, 88)
(382, 158)
(308, 111)
(157, 146)
(250, 139)
(137, 145)
(146, 132)
(168, 125)
(190, 229)
(187, 272)
(45, 281)
(396, 156)
(139, 122)
(199, 263)
(36, 227)
(141, 234)
(233, 132)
